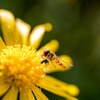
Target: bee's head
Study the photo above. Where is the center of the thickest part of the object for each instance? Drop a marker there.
(46, 52)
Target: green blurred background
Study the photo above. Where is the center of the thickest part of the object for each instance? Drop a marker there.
(76, 25)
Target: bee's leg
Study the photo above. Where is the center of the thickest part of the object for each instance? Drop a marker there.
(45, 61)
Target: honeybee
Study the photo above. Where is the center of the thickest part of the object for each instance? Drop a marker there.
(54, 59)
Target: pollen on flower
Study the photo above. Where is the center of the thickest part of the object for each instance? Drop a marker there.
(21, 66)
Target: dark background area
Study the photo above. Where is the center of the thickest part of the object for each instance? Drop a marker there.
(76, 25)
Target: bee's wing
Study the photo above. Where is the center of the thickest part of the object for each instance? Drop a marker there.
(57, 62)
(66, 63)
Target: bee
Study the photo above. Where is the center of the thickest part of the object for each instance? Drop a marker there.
(54, 59)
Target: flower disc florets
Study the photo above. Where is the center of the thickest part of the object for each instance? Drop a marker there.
(21, 66)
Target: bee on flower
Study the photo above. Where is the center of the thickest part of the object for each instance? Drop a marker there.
(23, 71)
(54, 60)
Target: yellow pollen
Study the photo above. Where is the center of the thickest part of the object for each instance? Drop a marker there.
(21, 66)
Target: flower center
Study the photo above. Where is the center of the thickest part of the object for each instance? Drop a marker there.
(21, 66)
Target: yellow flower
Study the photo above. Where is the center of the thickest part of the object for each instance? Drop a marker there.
(23, 70)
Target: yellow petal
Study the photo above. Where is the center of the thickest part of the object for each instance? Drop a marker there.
(53, 45)
(11, 94)
(38, 33)
(7, 22)
(66, 58)
(70, 88)
(3, 87)
(23, 95)
(2, 44)
(38, 94)
(26, 95)
(23, 29)
(58, 87)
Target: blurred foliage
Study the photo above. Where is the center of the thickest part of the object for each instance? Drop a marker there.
(77, 27)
